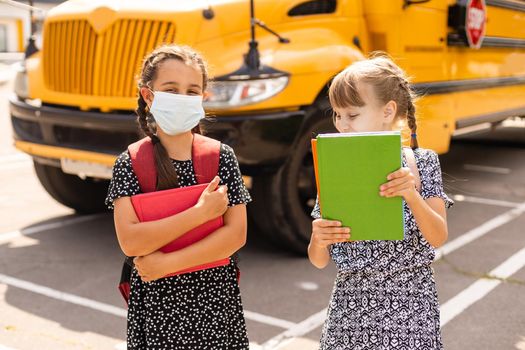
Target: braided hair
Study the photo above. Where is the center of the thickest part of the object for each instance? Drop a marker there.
(389, 83)
(166, 174)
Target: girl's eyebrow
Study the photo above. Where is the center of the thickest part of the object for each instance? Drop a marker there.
(177, 84)
(169, 82)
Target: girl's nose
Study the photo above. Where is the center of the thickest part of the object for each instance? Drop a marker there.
(346, 128)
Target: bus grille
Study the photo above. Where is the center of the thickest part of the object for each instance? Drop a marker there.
(77, 60)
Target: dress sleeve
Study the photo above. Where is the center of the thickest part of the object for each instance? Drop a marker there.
(431, 179)
(316, 212)
(124, 182)
(230, 175)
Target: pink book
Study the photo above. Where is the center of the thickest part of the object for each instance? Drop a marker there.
(161, 204)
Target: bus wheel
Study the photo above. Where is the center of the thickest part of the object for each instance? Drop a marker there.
(85, 196)
(284, 200)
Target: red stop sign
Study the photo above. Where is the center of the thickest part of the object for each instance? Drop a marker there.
(475, 22)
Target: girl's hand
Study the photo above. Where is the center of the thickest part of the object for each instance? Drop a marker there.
(151, 267)
(326, 232)
(214, 200)
(402, 183)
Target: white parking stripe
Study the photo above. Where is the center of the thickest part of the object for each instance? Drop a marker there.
(298, 330)
(480, 231)
(487, 201)
(113, 310)
(8, 236)
(55, 294)
(277, 322)
(487, 169)
(481, 288)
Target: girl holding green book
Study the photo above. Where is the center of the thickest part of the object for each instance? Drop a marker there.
(384, 296)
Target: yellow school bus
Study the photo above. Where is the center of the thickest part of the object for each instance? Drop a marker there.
(272, 63)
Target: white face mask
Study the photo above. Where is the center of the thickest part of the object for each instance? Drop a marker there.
(176, 114)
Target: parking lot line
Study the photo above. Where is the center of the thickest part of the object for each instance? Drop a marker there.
(487, 169)
(8, 236)
(480, 231)
(114, 310)
(481, 287)
(487, 201)
(277, 322)
(62, 296)
(298, 330)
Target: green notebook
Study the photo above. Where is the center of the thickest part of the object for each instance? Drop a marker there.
(351, 168)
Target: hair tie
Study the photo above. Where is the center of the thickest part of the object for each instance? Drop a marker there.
(414, 135)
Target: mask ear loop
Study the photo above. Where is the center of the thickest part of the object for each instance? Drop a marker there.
(155, 139)
(151, 90)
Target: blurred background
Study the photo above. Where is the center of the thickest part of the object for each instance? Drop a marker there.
(67, 94)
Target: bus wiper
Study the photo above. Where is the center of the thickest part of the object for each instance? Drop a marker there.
(252, 68)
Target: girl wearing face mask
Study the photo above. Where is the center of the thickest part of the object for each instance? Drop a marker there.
(198, 309)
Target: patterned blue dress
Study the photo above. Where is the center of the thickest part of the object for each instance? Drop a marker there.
(384, 296)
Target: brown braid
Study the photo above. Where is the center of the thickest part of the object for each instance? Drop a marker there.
(411, 119)
(166, 174)
(410, 112)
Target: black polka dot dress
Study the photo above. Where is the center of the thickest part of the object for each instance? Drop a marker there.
(197, 310)
(384, 296)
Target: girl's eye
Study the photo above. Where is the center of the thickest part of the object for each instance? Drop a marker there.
(353, 116)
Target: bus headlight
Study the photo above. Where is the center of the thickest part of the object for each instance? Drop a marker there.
(21, 84)
(227, 94)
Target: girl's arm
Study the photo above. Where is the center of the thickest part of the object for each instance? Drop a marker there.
(431, 218)
(219, 245)
(141, 238)
(429, 213)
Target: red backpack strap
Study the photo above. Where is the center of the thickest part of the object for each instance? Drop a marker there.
(205, 154)
(143, 163)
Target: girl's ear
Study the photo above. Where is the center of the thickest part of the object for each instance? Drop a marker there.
(146, 95)
(390, 111)
(205, 95)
